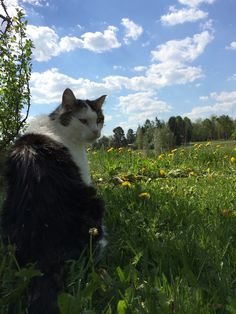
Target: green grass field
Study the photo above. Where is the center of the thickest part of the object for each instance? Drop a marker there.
(171, 224)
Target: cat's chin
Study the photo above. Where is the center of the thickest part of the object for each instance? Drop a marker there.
(92, 139)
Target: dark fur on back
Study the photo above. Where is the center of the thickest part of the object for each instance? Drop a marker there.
(48, 212)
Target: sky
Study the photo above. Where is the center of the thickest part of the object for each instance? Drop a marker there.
(152, 58)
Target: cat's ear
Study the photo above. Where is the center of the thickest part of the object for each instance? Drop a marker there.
(97, 104)
(68, 99)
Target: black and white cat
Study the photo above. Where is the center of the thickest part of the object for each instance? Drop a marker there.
(50, 203)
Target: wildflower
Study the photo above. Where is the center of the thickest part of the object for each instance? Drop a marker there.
(228, 213)
(191, 174)
(174, 150)
(218, 146)
(93, 232)
(208, 170)
(144, 195)
(110, 149)
(170, 155)
(161, 157)
(162, 173)
(232, 159)
(208, 144)
(235, 149)
(126, 184)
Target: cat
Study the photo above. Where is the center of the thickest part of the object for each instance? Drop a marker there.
(51, 204)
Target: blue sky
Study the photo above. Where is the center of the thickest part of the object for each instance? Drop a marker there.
(153, 58)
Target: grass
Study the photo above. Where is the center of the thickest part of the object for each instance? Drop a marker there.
(171, 224)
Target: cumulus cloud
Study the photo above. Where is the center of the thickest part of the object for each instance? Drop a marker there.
(232, 45)
(141, 106)
(223, 103)
(132, 31)
(181, 16)
(170, 66)
(195, 3)
(45, 41)
(185, 50)
(173, 57)
(48, 44)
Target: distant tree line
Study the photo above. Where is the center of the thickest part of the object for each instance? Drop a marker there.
(160, 135)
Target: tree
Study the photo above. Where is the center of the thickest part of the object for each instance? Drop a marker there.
(164, 139)
(119, 139)
(188, 130)
(130, 136)
(139, 137)
(15, 72)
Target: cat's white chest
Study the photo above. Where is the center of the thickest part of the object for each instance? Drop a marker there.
(79, 156)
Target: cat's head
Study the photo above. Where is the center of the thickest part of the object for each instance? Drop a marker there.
(82, 120)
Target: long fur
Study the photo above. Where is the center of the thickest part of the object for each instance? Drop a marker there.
(47, 213)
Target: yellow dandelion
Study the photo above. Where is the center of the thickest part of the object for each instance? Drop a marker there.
(126, 184)
(170, 155)
(93, 232)
(161, 157)
(232, 159)
(110, 149)
(208, 144)
(144, 195)
(195, 145)
(174, 150)
(162, 173)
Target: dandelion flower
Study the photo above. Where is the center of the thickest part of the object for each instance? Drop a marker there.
(93, 232)
(174, 150)
(208, 144)
(232, 159)
(126, 184)
(110, 149)
(162, 173)
(144, 195)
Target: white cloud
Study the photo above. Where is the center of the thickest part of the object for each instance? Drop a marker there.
(225, 103)
(232, 45)
(48, 44)
(99, 42)
(181, 16)
(195, 3)
(185, 50)
(141, 106)
(232, 77)
(45, 42)
(132, 31)
(171, 66)
(38, 3)
(140, 68)
(11, 6)
(204, 98)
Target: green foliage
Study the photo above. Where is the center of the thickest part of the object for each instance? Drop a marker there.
(15, 71)
(171, 224)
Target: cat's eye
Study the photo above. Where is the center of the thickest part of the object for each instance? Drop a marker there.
(84, 121)
(99, 120)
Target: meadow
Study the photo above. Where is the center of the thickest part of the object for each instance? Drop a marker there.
(171, 229)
